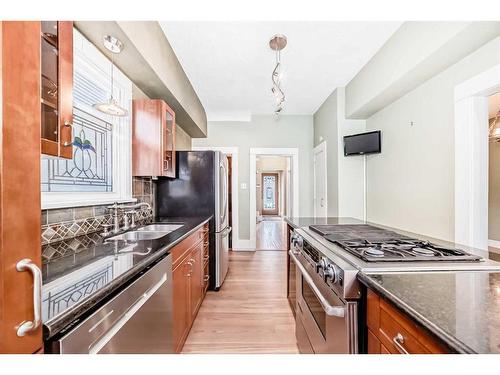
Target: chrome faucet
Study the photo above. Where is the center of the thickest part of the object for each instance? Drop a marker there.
(116, 218)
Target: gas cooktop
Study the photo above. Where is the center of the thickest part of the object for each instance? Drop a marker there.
(373, 244)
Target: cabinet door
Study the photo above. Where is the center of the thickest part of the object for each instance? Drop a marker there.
(168, 143)
(197, 283)
(20, 172)
(57, 88)
(65, 89)
(181, 315)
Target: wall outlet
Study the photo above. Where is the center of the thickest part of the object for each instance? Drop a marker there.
(243, 186)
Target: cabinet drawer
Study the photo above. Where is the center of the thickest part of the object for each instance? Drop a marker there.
(179, 251)
(395, 331)
(396, 338)
(426, 343)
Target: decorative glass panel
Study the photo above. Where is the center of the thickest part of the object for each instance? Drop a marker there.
(269, 192)
(90, 170)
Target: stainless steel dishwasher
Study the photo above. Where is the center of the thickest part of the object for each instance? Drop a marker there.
(137, 320)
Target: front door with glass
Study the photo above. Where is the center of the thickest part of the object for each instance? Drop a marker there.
(270, 194)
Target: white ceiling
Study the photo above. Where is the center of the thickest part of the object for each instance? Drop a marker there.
(230, 63)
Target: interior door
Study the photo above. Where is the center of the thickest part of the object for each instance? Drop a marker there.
(320, 183)
(20, 323)
(270, 193)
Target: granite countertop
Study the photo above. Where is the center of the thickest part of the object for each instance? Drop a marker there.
(462, 309)
(82, 272)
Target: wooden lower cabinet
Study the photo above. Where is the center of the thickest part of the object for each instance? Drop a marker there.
(390, 331)
(188, 284)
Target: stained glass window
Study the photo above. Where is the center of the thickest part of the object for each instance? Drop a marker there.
(91, 166)
(269, 192)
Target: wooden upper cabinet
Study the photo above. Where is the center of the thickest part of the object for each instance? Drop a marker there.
(153, 138)
(56, 38)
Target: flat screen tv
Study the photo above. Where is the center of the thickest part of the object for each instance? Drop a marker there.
(362, 144)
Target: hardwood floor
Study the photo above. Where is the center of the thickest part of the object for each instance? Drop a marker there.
(250, 314)
(271, 235)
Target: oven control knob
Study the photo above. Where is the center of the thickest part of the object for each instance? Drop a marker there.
(321, 265)
(296, 241)
(331, 272)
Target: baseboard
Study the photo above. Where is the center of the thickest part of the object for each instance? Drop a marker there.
(243, 245)
(494, 243)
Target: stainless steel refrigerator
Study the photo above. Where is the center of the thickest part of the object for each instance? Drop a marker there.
(201, 188)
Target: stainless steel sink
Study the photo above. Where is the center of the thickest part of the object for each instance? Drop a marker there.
(149, 232)
(160, 228)
(138, 236)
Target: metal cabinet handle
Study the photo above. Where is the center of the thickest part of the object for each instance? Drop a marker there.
(30, 326)
(206, 277)
(67, 144)
(398, 341)
(329, 309)
(68, 124)
(190, 267)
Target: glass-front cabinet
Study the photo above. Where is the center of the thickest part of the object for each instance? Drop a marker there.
(56, 88)
(168, 151)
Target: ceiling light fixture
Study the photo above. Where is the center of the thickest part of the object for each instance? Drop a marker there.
(111, 106)
(494, 129)
(277, 43)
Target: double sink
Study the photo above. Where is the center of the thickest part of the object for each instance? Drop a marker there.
(149, 232)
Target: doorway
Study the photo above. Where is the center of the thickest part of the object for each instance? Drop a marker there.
(273, 197)
(494, 175)
(471, 157)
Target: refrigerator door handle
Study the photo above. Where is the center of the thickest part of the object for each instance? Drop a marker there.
(224, 192)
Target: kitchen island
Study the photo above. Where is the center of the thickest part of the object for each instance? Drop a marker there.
(414, 308)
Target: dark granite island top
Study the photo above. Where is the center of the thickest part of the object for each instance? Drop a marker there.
(81, 273)
(462, 309)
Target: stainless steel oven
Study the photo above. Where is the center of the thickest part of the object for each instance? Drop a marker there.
(325, 322)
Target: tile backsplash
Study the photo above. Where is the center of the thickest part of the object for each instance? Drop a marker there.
(65, 223)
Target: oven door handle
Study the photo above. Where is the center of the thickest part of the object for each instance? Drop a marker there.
(329, 309)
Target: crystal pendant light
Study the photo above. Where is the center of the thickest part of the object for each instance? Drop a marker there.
(277, 43)
(111, 106)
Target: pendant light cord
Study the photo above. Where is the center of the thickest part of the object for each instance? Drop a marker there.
(112, 78)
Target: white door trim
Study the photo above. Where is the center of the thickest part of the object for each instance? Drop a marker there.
(238, 244)
(320, 148)
(294, 154)
(471, 157)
